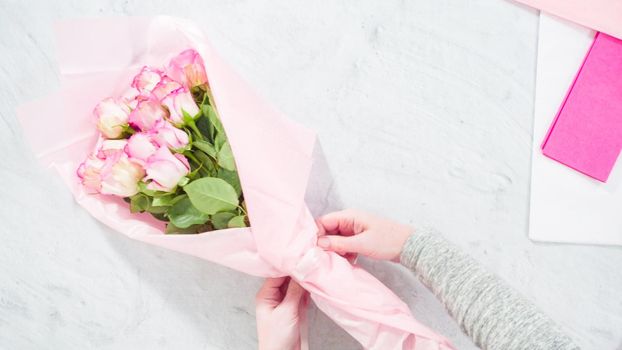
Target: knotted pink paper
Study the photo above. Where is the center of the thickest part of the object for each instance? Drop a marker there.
(273, 157)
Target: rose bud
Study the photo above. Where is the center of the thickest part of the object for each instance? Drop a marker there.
(165, 134)
(188, 69)
(165, 87)
(112, 116)
(147, 114)
(165, 169)
(89, 174)
(146, 80)
(140, 147)
(120, 175)
(178, 102)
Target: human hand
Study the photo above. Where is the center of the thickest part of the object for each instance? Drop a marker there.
(277, 308)
(349, 232)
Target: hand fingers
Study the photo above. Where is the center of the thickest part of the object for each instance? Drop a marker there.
(269, 295)
(293, 297)
(342, 245)
(346, 222)
(321, 231)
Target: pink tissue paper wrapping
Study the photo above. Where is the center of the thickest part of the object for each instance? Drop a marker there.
(98, 57)
(586, 134)
(601, 15)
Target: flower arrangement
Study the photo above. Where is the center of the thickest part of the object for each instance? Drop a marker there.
(163, 149)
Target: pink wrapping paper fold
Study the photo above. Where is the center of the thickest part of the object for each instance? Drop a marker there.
(273, 155)
(601, 15)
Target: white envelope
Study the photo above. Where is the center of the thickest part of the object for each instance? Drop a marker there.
(567, 206)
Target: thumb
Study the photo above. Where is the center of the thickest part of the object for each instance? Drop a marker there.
(342, 244)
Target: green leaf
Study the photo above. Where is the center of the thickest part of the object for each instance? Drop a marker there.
(142, 187)
(163, 201)
(172, 229)
(232, 178)
(212, 195)
(188, 118)
(205, 127)
(211, 114)
(139, 203)
(183, 214)
(206, 147)
(237, 221)
(221, 220)
(206, 162)
(157, 210)
(220, 140)
(167, 200)
(225, 157)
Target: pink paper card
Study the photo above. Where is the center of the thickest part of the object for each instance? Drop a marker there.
(602, 15)
(586, 134)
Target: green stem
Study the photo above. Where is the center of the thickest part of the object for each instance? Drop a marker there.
(194, 128)
(193, 158)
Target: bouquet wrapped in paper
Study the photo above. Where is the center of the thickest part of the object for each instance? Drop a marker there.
(159, 139)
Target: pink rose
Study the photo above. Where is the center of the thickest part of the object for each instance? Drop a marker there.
(146, 80)
(140, 147)
(147, 114)
(178, 102)
(112, 116)
(110, 171)
(165, 169)
(130, 98)
(106, 148)
(188, 69)
(165, 87)
(89, 174)
(165, 134)
(89, 171)
(120, 175)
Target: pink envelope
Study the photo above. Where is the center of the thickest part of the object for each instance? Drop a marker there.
(273, 155)
(601, 15)
(586, 134)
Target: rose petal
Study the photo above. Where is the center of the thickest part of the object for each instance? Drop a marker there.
(147, 114)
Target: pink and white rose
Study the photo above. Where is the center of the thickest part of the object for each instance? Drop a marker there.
(165, 134)
(107, 148)
(110, 171)
(166, 169)
(178, 102)
(165, 87)
(146, 80)
(140, 147)
(188, 69)
(89, 174)
(112, 115)
(120, 175)
(147, 114)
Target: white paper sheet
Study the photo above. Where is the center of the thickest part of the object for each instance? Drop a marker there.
(567, 206)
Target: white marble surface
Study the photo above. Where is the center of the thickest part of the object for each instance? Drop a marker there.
(424, 114)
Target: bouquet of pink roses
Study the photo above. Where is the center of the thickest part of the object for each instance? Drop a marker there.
(161, 146)
(163, 149)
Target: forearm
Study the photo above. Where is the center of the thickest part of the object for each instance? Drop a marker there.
(494, 315)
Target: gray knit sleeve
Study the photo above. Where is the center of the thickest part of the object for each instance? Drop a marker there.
(494, 315)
